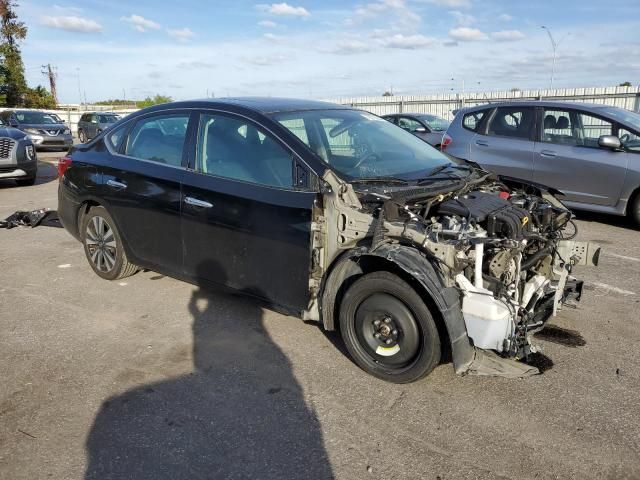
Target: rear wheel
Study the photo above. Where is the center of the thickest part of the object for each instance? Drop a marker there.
(388, 330)
(634, 209)
(82, 136)
(103, 245)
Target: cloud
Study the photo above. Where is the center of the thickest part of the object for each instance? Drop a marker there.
(196, 65)
(505, 17)
(268, 24)
(466, 34)
(507, 35)
(72, 24)
(284, 9)
(348, 47)
(274, 38)
(400, 15)
(264, 60)
(462, 19)
(181, 34)
(407, 42)
(140, 23)
(450, 3)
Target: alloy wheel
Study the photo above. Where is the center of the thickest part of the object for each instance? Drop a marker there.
(101, 244)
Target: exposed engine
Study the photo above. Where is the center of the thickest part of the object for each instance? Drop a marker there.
(509, 249)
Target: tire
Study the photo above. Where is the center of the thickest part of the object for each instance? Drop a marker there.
(26, 182)
(82, 136)
(634, 210)
(381, 307)
(103, 245)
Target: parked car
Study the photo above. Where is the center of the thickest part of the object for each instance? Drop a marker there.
(45, 129)
(429, 128)
(18, 158)
(92, 124)
(591, 153)
(331, 214)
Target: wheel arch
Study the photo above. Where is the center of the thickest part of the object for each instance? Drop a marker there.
(414, 268)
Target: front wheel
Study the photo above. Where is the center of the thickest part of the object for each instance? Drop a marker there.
(634, 210)
(103, 245)
(388, 330)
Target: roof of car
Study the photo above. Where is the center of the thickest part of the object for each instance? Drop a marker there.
(266, 104)
(594, 107)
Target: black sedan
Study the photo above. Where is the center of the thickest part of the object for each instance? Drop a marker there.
(331, 214)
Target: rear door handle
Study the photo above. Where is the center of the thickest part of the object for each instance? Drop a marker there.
(116, 184)
(482, 143)
(194, 202)
(548, 153)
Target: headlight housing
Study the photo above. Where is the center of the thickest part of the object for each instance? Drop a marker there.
(67, 131)
(30, 152)
(32, 130)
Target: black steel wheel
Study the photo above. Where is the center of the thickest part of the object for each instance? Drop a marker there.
(103, 245)
(388, 329)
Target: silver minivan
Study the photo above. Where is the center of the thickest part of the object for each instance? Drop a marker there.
(591, 153)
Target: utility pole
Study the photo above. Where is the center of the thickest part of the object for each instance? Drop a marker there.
(554, 46)
(51, 73)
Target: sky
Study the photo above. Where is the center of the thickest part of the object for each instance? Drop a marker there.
(325, 48)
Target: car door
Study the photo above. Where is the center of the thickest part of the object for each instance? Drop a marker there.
(568, 157)
(141, 185)
(506, 142)
(93, 125)
(244, 224)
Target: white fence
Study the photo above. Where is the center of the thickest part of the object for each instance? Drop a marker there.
(443, 105)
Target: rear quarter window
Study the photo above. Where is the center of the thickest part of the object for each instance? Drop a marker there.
(472, 120)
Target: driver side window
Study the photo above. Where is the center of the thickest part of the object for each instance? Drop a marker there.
(630, 141)
(409, 124)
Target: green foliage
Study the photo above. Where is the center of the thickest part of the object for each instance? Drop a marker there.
(148, 102)
(13, 87)
(625, 84)
(39, 97)
(116, 101)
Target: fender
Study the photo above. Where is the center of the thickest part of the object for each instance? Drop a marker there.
(417, 266)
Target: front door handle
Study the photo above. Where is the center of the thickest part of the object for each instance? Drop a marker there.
(194, 202)
(482, 143)
(116, 184)
(548, 153)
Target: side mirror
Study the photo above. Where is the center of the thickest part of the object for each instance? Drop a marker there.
(610, 141)
(420, 130)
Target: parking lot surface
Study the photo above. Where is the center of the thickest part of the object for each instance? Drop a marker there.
(152, 378)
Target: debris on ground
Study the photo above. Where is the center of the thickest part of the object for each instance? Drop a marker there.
(43, 216)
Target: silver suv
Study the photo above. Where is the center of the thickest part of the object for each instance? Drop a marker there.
(91, 124)
(591, 153)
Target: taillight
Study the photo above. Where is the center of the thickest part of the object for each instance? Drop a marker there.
(446, 141)
(63, 164)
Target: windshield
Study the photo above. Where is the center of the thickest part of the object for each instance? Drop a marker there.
(437, 124)
(625, 116)
(107, 118)
(35, 118)
(361, 145)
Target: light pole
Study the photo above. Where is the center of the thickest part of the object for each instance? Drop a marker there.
(554, 46)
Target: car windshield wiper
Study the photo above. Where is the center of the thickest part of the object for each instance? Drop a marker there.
(433, 174)
(395, 180)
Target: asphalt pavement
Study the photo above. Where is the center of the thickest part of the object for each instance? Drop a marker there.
(152, 378)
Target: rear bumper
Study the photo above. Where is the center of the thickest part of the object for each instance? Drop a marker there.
(68, 209)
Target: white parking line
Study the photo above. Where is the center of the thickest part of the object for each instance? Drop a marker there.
(613, 289)
(622, 257)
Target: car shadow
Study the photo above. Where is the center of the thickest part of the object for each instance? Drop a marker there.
(613, 220)
(240, 414)
(47, 172)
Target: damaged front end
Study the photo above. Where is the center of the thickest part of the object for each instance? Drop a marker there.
(502, 253)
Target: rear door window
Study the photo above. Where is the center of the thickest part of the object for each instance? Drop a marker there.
(513, 122)
(471, 121)
(159, 138)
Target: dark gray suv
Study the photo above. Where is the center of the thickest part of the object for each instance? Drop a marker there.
(45, 129)
(591, 153)
(91, 124)
(18, 159)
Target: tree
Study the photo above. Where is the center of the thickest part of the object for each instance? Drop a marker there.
(625, 84)
(39, 97)
(148, 102)
(14, 86)
(387, 94)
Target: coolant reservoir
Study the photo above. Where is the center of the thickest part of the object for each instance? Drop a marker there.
(488, 320)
